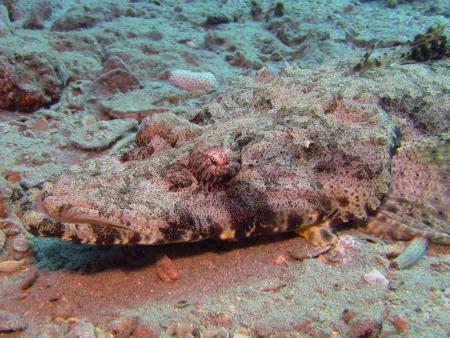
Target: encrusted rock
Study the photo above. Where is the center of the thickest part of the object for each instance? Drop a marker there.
(29, 78)
(101, 135)
(11, 322)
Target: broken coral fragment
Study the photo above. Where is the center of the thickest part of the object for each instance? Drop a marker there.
(188, 80)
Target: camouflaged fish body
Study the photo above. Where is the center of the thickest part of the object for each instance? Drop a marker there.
(261, 166)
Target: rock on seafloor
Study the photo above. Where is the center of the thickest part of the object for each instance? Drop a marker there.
(376, 277)
(166, 270)
(101, 135)
(2, 240)
(11, 322)
(124, 326)
(82, 329)
(51, 331)
(29, 278)
(3, 208)
(145, 331)
(33, 84)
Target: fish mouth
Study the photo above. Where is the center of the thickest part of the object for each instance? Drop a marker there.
(47, 215)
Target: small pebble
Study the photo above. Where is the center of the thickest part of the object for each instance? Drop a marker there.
(11, 322)
(375, 277)
(21, 244)
(2, 240)
(399, 323)
(12, 266)
(101, 135)
(3, 209)
(415, 250)
(9, 232)
(9, 223)
(241, 333)
(182, 303)
(12, 176)
(39, 124)
(395, 249)
(29, 279)
(166, 270)
(82, 329)
(365, 328)
(279, 260)
(214, 20)
(124, 326)
(99, 333)
(179, 330)
(63, 308)
(51, 331)
(145, 331)
(288, 334)
(307, 251)
(223, 320)
(218, 333)
(347, 315)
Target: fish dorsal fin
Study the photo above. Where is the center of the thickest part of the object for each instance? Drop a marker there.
(418, 203)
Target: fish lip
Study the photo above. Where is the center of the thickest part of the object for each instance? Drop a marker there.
(86, 225)
(34, 204)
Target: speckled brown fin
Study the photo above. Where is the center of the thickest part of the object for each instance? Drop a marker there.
(418, 204)
(321, 234)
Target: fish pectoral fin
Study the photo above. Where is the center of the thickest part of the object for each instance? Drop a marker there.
(320, 234)
(418, 204)
(393, 223)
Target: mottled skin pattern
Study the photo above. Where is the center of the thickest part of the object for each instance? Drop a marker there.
(262, 166)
